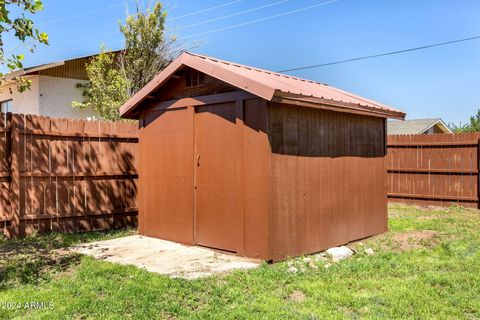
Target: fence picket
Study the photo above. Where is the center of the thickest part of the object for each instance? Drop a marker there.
(438, 169)
(66, 175)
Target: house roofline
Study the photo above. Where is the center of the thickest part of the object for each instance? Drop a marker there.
(27, 71)
(41, 67)
(442, 123)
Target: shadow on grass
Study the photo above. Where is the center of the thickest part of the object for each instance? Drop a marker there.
(37, 258)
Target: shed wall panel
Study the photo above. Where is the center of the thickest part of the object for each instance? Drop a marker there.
(327, 179)
(251, 152)
(219, 185)
(166, 175)
(257, 176)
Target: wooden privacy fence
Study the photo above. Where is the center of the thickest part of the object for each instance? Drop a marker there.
(66, 175)
(437, 169)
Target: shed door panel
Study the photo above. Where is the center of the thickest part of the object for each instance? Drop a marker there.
(219, 191)
(166, 175)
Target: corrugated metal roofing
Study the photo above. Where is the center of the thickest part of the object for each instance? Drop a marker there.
(414, 126)
(263, 83)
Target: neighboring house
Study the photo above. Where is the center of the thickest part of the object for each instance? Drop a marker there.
(418, 126)
(53, 88)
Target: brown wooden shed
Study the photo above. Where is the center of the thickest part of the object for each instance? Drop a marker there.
(255, 162)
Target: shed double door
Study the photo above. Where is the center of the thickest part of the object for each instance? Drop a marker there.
(218, 176)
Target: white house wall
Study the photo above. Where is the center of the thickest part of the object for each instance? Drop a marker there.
(56, 96)
(23, 102)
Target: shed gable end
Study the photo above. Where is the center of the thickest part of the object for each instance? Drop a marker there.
(189, 82)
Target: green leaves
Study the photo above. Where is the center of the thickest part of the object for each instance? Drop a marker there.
(4, 14)
(42, 37)
(23, 29)
(28, 5)
(107, 89)
(472, 126)
(116, 77)
(147, 49)
(37, 6)
(23, 84)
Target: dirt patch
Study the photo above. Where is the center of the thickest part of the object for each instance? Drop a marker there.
(426, 218)
(29, 262)
(415, 239)
(165, 257)
(400, 241)
(297, 296)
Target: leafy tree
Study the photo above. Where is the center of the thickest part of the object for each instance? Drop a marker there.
(147, 52)
(23, 29)
(107, 90)
(472, 126)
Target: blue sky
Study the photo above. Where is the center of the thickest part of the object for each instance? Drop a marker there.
(439, 82)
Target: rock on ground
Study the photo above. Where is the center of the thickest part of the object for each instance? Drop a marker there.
(292, 269)
(339, 253)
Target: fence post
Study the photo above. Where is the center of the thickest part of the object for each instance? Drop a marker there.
(8, 167)
(478, 174)
(17, 227)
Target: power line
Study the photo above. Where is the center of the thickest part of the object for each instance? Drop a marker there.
(83, 14)
(205, 10)
(382, 54)
(260, 20)
(93, 36)
(189, 26)
(118, 32)
(233, 14)
(77, 48)
(215, 30)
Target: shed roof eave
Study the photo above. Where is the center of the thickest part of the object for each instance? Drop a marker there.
(283, 97)
(241, 82)
(186, 60)
(142, 94)
(261, 84)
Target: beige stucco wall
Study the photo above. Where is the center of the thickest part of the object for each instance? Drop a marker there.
(56, 96)
(48, 96)
(23, 102)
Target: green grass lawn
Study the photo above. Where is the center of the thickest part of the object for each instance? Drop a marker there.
(426, 267)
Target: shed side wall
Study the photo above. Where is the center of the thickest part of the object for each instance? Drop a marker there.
(257, 176)
(328, 182)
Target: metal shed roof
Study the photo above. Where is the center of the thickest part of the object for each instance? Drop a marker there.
(266, 84)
